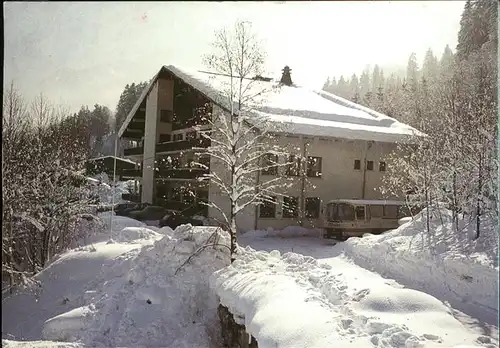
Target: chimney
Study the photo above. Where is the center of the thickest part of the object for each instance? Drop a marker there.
(286, 78)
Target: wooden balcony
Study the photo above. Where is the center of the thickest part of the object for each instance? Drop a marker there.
(183, 173)
(166, 174)
(170, 146)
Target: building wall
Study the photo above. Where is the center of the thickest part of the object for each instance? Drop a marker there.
(160, 97)
(339, 178)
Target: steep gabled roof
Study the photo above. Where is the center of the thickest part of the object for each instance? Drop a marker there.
(294, 109)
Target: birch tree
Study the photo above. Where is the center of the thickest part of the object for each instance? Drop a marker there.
(243, 143)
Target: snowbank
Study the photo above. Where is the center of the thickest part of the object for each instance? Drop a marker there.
(452, 266)
(129, 290)
(149, 304)
(287, 232)
(292, 300)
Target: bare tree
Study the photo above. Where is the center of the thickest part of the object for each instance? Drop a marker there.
(243, 144)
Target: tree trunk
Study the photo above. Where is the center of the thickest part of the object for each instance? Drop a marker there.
(478, 199)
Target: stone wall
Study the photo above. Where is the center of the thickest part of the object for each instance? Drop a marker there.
(234, 335)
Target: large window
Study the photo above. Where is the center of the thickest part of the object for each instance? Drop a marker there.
(166, 115)
(269, 164)
(360, 212)
(369, 165)
(293, 168)
(314, 167)
(313, 205)
(177, 136)
(357, 164)
(268, 209)
(191, 135)
(290, 207)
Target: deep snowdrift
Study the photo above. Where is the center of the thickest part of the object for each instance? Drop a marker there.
(453, 267)
(292, 300)
(124, 291)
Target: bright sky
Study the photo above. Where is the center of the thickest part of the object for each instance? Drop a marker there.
(85, 53)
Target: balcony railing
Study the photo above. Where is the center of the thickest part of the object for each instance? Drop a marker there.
(170, 146)
(163, 173)
(185, 173)
(188, 209)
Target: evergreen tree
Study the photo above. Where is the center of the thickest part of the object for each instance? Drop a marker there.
(412, 72)
(326, 85)
(430, 66)
(128, 98)
(375, 78)
(364, 82)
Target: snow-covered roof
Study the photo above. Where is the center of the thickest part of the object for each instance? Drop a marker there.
(297, 110)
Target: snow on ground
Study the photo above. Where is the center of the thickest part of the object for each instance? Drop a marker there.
(122, 290)
(453, 267)
(121, 286)
(294, 300)
(39, 344)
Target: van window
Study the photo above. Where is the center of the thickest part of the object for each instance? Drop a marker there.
(341, 212)
(376, 211)
(360, 212)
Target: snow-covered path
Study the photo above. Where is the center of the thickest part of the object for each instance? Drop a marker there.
(361, 293)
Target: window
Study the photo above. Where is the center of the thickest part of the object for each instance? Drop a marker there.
(357, 164)
(178, 137)
(314, 167)
(175, 194)
(382, 167)
(165, 115)
(188, 197)
(290, 207)
(191, 135)
(268, 165)
(164, 138)
(369, 165)
(202, 196)
(293, 168)
(377, 211)
(360, 212)
(341, 212)
(312, 207)
(204, 160)
(175, 161)
(268, 209)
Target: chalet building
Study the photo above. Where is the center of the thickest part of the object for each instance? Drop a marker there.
(345, 145)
